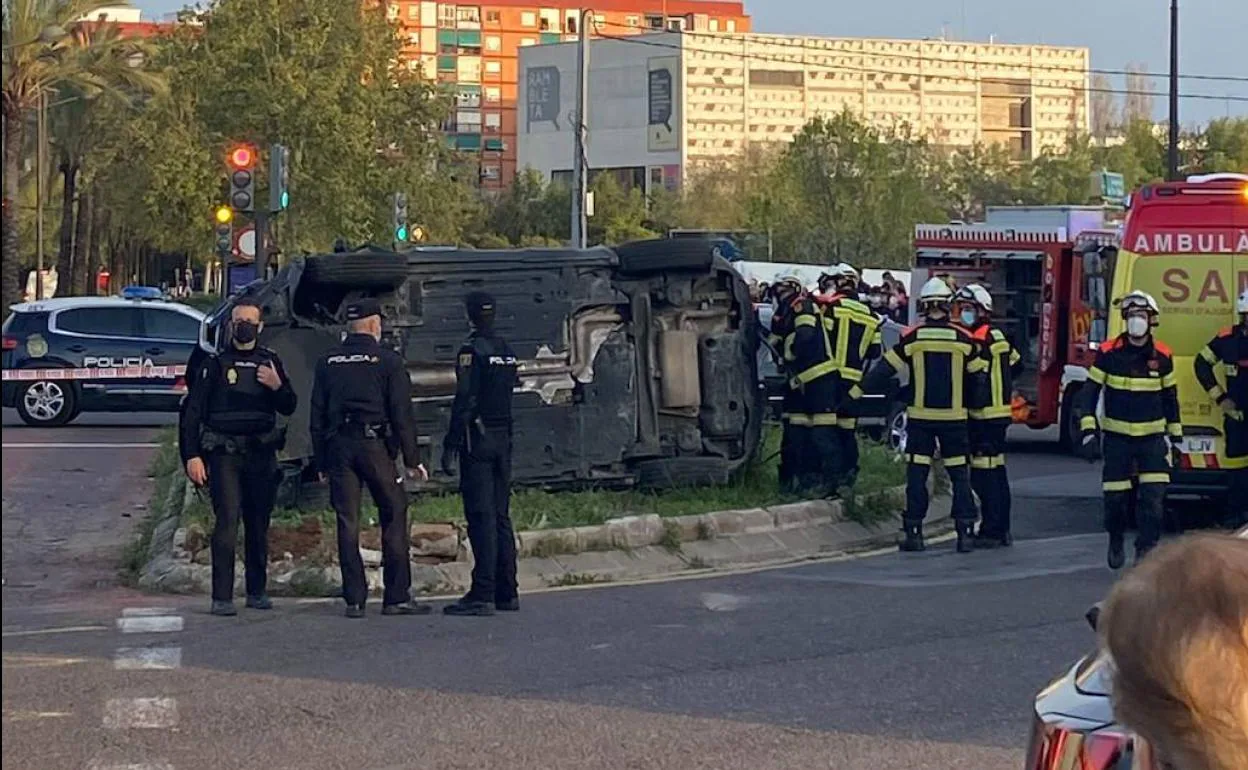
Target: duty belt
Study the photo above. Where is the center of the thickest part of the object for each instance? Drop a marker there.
(351, 429)
(212, 441)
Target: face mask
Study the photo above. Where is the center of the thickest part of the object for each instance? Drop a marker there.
(1137, 326)
(245, 333)
(969, 318)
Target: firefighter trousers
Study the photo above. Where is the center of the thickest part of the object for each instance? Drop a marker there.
(1236, 432)
(243, 486)
(821, 467)
(366, 462)
(923, 438)
(1131, 462)
(794, 441)
(989, 478)
(847, 432)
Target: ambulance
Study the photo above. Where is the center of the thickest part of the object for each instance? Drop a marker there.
(1186, 243)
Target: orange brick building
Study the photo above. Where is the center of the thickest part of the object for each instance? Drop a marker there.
(473, 49)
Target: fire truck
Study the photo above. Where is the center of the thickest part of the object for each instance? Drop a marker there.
(1048, 269)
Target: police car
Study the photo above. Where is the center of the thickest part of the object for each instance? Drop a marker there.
(70, 355)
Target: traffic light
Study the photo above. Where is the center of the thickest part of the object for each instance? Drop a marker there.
(224, 217)
(400, 218)
(279, 178)
(242, 162)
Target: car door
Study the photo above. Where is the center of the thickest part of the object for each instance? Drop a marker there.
(169, 336)
(102, 340)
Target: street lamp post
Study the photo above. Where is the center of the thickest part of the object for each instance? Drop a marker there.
(1172, 154)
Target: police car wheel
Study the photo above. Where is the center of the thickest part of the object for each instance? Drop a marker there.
(897, 430)
(47, 403)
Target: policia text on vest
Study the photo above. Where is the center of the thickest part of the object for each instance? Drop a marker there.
(228, 431)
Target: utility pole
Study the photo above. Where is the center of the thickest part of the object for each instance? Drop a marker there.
(580, 177)
(41, 142)
(1172, 158)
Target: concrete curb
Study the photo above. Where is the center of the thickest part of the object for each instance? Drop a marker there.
(643, 547)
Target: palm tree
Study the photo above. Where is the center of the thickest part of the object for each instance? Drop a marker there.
(40, 57)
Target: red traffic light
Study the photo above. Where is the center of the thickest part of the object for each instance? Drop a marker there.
(242, 157)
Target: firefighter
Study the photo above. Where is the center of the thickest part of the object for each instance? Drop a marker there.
(990, 419)
(1228, 353)
(361, 419)
(1135, 372)
(854, 333)
(812, 374)
(945, 367)
(480, 435)
(228, 436)
(788, 299)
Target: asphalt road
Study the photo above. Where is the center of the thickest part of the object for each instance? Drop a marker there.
(885, 661)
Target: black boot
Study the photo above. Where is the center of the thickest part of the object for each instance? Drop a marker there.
(1116, 556)
(913, 541)
(966, 537)
(986, 540)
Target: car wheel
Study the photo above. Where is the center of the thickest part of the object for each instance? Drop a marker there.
(641, 257)
(1069, 420)
(357, 271)
(897, 424)
(47, 404)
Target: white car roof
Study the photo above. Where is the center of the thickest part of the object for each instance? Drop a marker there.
(65, 303)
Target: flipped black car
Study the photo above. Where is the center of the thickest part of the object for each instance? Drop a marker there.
(638, 364)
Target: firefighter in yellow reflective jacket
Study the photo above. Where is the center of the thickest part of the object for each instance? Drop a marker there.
(812, 372)
(1140, 425)
(992, 417)
(946, 369)
(789, 301)
(1227, 355)
(854, 332)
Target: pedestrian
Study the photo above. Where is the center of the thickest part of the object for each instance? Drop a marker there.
(855, 341)
(1228, 353)
(361, 420)
(945, 367)
(1176, 628)
(480, 436)
(1135, 372)
(990, 419)
(229, 436)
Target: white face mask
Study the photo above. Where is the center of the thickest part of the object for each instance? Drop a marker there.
(1137, 326)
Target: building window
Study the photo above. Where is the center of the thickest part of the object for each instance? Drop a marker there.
(732, 25)
(493, 17)
(491, 173)
(677, 24)
(495, 145)
(493, 95)
(446, 16)
(493, 43)
(493, 122)
(413, 39)
(413, 11)
(714, 25)
(777, 78)
(528, 19)
(654, 22)
(632, 21)
(468, 14)
(527, 41)
(392, 12)
(493, 68)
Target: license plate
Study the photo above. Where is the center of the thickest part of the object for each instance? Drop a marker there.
(1197, 446)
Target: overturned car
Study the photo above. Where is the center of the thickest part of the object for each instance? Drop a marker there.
(638, 364)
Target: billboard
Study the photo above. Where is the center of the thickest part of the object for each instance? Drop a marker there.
(662, 87)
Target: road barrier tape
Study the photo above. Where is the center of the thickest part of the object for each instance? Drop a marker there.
(96, 373)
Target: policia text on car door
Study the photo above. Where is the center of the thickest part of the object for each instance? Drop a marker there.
(229, 437)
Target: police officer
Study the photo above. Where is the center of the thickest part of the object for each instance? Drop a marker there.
(229, 437)
(945, 365)
(1228, 353)
(1135, 372)
(480, 435)
(787, 299)
(853, 330)
(990, 419)
(361, 419)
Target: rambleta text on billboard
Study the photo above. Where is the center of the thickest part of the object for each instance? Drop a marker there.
(1209, 240)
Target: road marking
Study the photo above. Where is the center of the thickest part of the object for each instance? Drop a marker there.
(26, 716)
(140, 713)
(87, 445)
(63, 630)
(163, 624)
(148, 612)
(39, 661)
(97, 765)
(147, 658)
(721, 602)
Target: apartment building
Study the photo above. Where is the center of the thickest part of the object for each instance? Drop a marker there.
(668, 102)
(474, 49)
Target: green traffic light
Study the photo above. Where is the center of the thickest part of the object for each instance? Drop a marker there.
(401, 233)
(285, 199)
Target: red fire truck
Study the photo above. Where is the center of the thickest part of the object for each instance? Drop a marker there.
(1048, 269)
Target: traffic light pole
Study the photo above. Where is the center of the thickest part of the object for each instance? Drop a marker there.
(261, 224)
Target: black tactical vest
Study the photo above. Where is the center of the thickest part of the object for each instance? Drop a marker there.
(240, 405)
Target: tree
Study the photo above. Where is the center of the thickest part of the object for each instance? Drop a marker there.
(1222, 146)
(40, 56)
(977, 177)
(1104, 107)
(1138, 102)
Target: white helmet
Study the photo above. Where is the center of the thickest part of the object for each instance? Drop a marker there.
(845, 271)
(1242, 305)
(974, 294)
(1139, 300)
(935, 290)
(789, 280)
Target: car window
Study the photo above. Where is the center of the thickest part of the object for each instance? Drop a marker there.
(25, 323)
(169, 325)
(102, 321)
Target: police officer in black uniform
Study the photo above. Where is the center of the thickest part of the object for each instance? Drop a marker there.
(361, 419)
(480, 434)
(228, 437)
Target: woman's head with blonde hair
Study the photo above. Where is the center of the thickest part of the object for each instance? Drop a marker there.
(1176, 627)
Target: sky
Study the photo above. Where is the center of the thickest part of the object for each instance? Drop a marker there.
(1119, 32)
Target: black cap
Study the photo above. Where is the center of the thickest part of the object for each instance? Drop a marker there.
(478, 303)
(364, 308)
